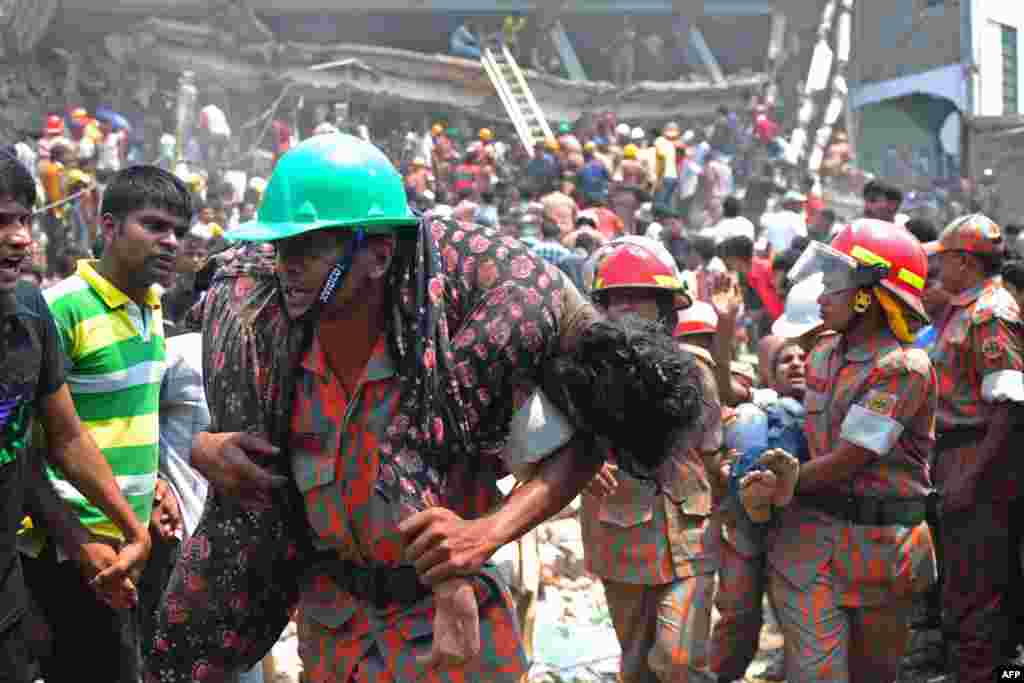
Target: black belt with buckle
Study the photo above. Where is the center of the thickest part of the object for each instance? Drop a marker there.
(870, 510)
(380, 586)
(958, 438)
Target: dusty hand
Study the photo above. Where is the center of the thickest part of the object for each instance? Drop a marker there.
(225, 460)
(726, 295)
(787, 470)
(726, 463)
(165, 519)
(604, 482)
(116, 589)
(456, 627)
(443, 546)
(756, 492)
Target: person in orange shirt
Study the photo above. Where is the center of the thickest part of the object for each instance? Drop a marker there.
(419, 179)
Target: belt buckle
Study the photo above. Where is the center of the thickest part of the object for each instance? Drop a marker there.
(365, 584)
(850, 508)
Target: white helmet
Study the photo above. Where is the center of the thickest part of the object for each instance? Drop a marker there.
(638, 133)
(700, 318)
(802, 313)
(623, 130)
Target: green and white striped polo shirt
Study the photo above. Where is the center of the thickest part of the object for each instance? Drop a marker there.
(116, 355)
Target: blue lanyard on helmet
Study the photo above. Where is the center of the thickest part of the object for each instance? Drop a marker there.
(336, 278)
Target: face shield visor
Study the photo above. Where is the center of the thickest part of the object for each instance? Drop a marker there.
(838, 271)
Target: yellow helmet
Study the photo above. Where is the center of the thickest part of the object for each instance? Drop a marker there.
(419, 161)
(551, 144)
(486, 134)
(589, 147)
(630, 152)
(436, 129)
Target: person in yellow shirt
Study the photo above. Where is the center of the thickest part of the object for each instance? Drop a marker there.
(665, 165)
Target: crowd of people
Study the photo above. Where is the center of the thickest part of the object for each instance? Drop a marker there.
(301, 391)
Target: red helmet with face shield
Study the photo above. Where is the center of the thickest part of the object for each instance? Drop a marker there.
(869, 253)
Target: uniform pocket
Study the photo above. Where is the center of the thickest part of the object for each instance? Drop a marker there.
(314, 463)
(631, 504)
(882, 563)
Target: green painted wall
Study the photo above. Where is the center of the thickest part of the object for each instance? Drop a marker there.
(900, 137)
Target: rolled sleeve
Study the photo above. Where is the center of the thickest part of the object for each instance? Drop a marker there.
(537, 430)
(1003, 386)
(870, 430)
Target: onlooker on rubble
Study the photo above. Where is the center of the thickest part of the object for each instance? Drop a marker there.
(464, 41)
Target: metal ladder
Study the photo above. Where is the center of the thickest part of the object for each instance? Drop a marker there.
(515, 94)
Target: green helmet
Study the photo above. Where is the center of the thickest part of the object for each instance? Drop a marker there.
(329, 181)
(452, 132)
(564, 128)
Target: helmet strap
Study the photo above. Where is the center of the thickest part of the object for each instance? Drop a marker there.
(336, 277)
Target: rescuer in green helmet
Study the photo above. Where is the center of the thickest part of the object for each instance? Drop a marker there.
(392, 367)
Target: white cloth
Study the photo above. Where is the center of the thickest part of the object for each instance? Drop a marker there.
(183, 414)
(654, 231)
(733, 227)
(109, 156)
(782, 227)
(213, 120)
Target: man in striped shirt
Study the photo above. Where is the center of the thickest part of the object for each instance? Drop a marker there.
(111, 330)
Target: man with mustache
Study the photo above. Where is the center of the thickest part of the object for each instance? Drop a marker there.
(110, 328)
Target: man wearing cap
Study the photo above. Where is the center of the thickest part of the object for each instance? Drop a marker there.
(385, 356)
(980, 365)
(666, 170)
(651, 541)
(782, 227)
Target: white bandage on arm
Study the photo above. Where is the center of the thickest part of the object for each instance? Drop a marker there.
(872, 431)
(537, 430)
(1003, 386)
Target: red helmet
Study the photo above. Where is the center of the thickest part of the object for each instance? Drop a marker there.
(54, 125)
(631, 265)
(874, 242)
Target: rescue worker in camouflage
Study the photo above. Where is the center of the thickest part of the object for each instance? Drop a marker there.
(852, 550)
(979, 362)
(651, 542)
(397, 361)
(774, 415)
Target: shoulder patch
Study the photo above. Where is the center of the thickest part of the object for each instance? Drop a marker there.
(881, 403)
(991, 350)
